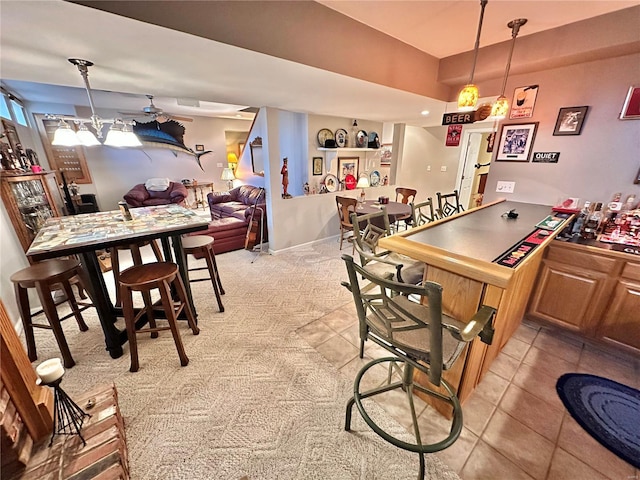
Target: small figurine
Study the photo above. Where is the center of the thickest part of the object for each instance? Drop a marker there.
(385, 180)
(285, 178)
(305, 188)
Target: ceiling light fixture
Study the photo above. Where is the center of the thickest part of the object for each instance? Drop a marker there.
(501, 105)
(119, 135)
(468, 96)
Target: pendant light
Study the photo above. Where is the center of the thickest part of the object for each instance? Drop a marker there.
(501, 105)
(468, 96)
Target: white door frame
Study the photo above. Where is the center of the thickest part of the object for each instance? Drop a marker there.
(463, 151)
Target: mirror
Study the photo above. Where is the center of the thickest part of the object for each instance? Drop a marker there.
(257, 160)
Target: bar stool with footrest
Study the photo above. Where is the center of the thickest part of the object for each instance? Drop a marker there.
(144, 278)
(202, 246)
(419, 337)
(47, 277)
(137, 260)
(449, 204)
(406, 196)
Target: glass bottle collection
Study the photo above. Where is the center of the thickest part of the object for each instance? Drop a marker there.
(614, 222)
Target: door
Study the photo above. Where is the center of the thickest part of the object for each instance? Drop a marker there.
(467, 168)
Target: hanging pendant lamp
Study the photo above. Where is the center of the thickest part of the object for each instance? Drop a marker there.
(501, 105)
(468, 96)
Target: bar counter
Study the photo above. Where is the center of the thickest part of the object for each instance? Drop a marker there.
(461, 254)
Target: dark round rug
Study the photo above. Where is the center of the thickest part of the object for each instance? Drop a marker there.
(608, 410)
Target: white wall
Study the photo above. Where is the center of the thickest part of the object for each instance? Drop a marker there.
(602, 160)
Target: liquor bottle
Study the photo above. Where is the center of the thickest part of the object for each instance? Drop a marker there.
(579, 222)
(591, 224)
(353, 138)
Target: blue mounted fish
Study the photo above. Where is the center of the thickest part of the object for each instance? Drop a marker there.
(169, 134)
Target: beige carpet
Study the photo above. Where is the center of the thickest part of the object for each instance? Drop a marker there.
(256, 400)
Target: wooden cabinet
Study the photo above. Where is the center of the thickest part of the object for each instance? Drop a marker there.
(30, 199)
(590, 291)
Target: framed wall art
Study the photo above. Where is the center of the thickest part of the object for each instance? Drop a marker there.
(516, 141)
(386, 151)
(524, 99)
(631, 107)
(570, 120)
(347, 166)
(317, 165)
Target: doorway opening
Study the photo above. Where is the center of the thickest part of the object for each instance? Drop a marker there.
(473, 168)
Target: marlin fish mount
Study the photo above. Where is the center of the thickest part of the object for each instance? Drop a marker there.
(169, 134)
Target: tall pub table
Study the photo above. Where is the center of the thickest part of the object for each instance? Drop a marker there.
(85, 233)
(482, 257)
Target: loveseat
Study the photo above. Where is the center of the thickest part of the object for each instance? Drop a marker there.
(231, 214)
(140, 196)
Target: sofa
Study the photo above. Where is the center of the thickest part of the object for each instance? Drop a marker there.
(231, 214)
(140, 196)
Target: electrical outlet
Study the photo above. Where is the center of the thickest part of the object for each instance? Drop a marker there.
(219, 165)
(443, 168)
(428, 168)
(505, 187)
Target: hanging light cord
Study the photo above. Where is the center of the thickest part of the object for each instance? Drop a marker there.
(483, 3)
(515, 28)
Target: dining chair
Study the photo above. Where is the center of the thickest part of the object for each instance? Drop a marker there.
(418, 336)
(449, 204)
(369, 229)
(423, 212)
(346, 206)
(406, 196)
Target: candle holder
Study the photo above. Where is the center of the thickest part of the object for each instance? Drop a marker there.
(68, 417)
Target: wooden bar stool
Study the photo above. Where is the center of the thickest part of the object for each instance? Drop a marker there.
(137, 260)
(144, 278)
(202, 245)
(47, 277)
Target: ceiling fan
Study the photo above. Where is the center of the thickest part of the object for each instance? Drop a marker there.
(155, 112)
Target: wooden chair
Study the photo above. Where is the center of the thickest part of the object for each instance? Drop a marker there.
(144, 278)
(449, 204)
(346, 206)
(421, 337)
(46, 277)
(202, 245)
(137, 260)
(406, 196)
(423, 212)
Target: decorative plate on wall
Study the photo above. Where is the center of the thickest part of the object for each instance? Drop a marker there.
(361, 139)
(350, 182)
(324, 134)
(374, 140)
(341, 137)
(374, 178)
(331, 182)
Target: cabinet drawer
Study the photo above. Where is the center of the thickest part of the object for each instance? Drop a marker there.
(585, 260)
(631, 271)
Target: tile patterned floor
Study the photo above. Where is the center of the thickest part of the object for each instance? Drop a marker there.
(515, 425)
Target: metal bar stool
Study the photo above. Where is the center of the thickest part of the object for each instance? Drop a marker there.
(202, 246)
(137, 260)
(47, 277)
(144, 278)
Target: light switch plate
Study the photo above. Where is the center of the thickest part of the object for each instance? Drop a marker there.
(505, 187)
(428, 168)
(443, 168)
(219, 165)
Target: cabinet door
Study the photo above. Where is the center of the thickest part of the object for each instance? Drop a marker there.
(569, 296)
(621, 324)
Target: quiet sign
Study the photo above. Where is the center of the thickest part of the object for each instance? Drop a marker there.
(546, 157)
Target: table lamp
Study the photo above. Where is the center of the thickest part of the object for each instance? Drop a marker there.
(363, 182)
(227, 174)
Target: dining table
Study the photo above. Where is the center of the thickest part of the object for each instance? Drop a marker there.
(394, 209)
(84, 234)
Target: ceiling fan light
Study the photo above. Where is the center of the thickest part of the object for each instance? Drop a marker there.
(468, 98)
(86, 138)
(64, 136)
(500, 108)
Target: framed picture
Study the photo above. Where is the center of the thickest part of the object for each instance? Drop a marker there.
(516, 141)
(570, 120)
(637, 180)
(631, 107)
(491, 139)
(12, 135)
(317, 165)
(347, 166)
(386, 151)
(524, 99)
(454, 132)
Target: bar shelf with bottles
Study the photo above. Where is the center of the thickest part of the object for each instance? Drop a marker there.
(615, 222)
